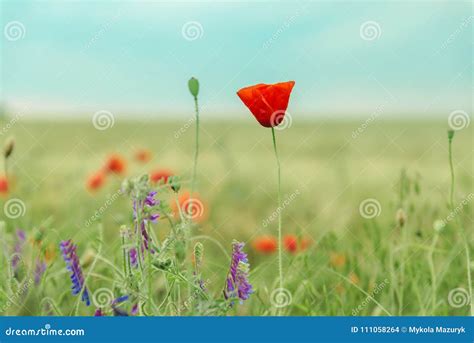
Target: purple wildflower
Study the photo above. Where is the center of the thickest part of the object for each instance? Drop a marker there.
(133, 257)
(120, 299)
(20, 240)
(142, 209)
(69, 251)
(40, 268)
(134, 310)
(118, 311)
(150, 200)
(237, 283)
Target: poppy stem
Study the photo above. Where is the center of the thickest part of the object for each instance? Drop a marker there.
(196, 151)
(280, 266)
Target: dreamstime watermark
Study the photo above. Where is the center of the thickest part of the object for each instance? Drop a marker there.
(458, 120)
(368, 299)
(18, 295)
(14, 208)
(192, 208)
(370, 30)
(46, 331)
(370, 208)
(281, 120)
(281, 297)
(192, 298)
(288, 200)
(192, 30)
(462, 26)
(14, 30)
(458, 297)
(286, 24)
(378, 111)
(103, 30)
(11, 123)
(458, 209)
(102, 297)
(184, 128)
(103, 120)
(100, 211)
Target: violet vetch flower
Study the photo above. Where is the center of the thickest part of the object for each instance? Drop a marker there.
(40, 268)
(134, 311)
(69, 251)
(142, 210)
(133, 257)
(237, 283)
(20, 240)
(150, 202)
(118, 311)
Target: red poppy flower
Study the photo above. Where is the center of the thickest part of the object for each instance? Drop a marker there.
(96, 181)
(115, 164)
(265, 244)
(3, 185)
(291, 243)
(143, 155)
(268, 103)
(160, 175)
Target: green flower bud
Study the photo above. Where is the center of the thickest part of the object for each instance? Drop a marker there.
(174, 183)
(450, 134)
(193, 85)
(198, 252)
(8, 147)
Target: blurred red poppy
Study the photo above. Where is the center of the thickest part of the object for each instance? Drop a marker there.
(143, 155)
(3, 185)
(115, 164)
(159, 175)
(265, 244)
(268, 103)
(96, 181)
(291, 243)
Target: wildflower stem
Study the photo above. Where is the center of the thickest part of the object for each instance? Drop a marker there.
(196, 151)
(463, 234)
(433, 272)
(124, 253)
(280, 266)
(451, 196)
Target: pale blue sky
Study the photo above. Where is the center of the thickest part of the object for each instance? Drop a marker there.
(131, 57)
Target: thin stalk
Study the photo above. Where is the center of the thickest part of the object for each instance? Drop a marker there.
(196, 151)
(124, 257)
(280, 265)
(433, 273)
(463, 235)
(451, 167)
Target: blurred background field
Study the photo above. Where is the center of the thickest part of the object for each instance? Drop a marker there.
(329, 170)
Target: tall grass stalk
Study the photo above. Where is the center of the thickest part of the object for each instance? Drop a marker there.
(463, 233)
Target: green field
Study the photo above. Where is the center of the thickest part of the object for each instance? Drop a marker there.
(388, 269)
